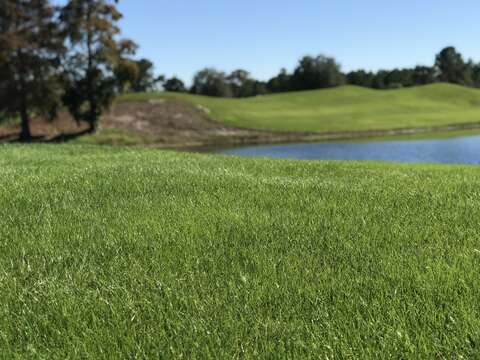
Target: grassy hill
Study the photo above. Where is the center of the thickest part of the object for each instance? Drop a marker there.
(116, 253)
(345, 108)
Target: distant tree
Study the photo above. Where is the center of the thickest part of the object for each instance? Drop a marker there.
(316, 73)
(136, 75)
(174, 85)
(30, 49)
(395, 78)
(259, 88)
(476, 74)
(211, 82)
(452, 68)
(380, 80)
(360, 78)
(146, 80)
(399, 78)
(240, 83)
(126, 74)
(94, 54)
(423, 75)
(468, 73)
(280, 83)
(243, 85)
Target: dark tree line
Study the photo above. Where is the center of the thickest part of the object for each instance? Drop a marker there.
(324, 72)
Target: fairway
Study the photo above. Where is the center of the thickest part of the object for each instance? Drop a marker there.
(342, 109)
(129, 253)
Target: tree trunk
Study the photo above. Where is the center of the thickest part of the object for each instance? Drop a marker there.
(25, 134)
(93, 127)
(92, 117)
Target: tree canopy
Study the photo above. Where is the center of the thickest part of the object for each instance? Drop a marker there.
(316, 73)
(211, 82)
(174, 84)
(452, 68)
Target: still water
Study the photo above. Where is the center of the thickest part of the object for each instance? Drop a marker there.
(460, 150)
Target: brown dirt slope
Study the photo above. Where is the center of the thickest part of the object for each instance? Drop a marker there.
(175, 123)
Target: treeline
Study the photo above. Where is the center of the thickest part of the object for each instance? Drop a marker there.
(69, 56)
(325, 72)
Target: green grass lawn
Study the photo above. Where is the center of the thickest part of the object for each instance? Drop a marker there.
(346, 108)
(129, 253)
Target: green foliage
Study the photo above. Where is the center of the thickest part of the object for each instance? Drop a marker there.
(316, 73)
(360, 78)
(211, 82)
(452, 68)
(347, 108)
(127, 73)
(423, 75)
(174, 84)
(114, 253)
(397, 78)
(280, 83)
(144, 79)
(243, 85)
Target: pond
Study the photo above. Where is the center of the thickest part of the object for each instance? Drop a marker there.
(460, 150)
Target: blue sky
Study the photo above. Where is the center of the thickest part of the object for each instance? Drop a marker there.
(182, 36)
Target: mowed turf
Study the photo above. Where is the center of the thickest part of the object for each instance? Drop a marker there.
(346, 108)
(128, 253)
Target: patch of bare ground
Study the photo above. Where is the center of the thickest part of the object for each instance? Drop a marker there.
(173, 123)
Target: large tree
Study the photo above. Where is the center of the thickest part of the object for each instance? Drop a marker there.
(30, 49)
(452, 68)
(95, 53)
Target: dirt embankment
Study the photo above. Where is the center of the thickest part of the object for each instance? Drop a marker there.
(175, 124)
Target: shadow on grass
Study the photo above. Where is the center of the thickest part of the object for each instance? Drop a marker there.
(64, 137)
(60, 138)
(9, 138)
